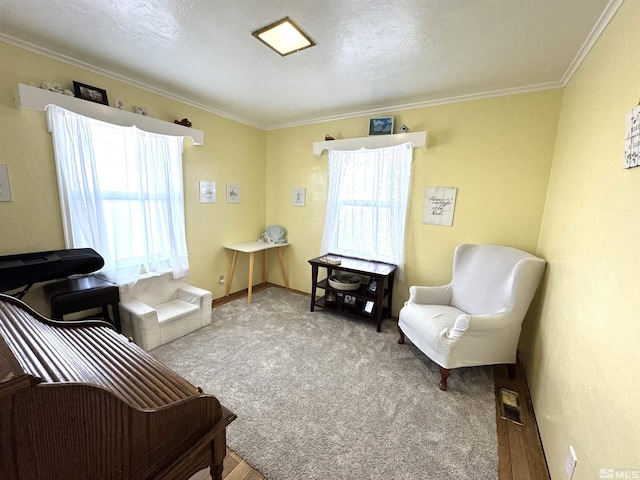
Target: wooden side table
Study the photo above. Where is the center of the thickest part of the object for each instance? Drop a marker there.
(251, 248)
(362, 302)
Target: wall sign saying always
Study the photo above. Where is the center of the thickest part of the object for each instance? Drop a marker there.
(439, 203)
(632, 139)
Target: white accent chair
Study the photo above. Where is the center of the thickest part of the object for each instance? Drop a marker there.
(477, 318)
(158, 309)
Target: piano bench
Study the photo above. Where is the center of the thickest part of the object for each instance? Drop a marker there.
(83, 293)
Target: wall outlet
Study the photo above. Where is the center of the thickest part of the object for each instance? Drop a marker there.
(570, 463)
(221, 279)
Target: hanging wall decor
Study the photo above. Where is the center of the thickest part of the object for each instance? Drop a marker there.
(233, 193)
(439, 204)
(207, 192)
(632, 139)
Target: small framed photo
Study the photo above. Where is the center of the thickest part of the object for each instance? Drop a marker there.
(330, 297)
(373, 285)
(298, 197)
(350, 300)
(233, 193)
(381, 126)
(368, 308)
(87, 92)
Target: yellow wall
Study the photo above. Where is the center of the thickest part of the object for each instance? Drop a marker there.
(581, 346)
(232, 153)
(496, 151)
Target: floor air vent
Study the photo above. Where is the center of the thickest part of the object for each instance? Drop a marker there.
(510, 407)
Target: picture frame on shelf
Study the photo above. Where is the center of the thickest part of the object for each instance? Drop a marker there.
(350, 300)
(381, 126)
(373, 285)
(368, 308)
(330, 297)
(90, 93)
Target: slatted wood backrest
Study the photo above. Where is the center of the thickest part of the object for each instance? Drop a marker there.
(88, 352)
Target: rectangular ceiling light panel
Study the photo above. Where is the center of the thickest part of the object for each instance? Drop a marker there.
(284, 36)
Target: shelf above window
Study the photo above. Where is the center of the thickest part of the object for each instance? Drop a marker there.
(39, 99)
(418, 139)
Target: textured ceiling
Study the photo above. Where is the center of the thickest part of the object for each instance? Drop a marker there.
(370, 56)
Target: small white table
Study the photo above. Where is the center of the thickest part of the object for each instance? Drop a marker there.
(251, 248)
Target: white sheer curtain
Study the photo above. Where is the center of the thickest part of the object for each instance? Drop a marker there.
(121, 194)
(367, 204)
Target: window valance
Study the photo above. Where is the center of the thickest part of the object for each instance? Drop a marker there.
(39, 99)
(417, 139)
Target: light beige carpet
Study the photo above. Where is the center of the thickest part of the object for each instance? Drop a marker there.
(321, 396)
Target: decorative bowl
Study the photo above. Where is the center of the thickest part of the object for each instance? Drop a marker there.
(344, 282)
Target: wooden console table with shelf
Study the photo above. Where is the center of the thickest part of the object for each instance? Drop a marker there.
(381, 299)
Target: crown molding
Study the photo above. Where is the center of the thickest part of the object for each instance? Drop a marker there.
(595, 33)
(121, 78)
(427, 103)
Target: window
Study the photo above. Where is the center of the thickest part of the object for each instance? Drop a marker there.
(367, 204)
(121, 194)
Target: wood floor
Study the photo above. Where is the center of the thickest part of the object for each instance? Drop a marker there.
(234, 469)
(520, 454)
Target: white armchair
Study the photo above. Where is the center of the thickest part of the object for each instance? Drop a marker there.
(477, 318)
(158, 309)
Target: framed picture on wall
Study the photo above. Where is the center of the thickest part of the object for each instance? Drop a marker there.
(233, 193)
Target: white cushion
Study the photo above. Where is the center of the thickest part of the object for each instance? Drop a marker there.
(175, 310)
(427, 326)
